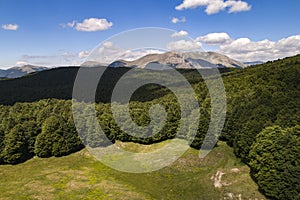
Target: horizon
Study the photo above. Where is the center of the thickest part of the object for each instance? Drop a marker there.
(126, 60)
(56, 33)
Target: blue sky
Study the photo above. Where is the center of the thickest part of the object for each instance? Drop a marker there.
(34, 29)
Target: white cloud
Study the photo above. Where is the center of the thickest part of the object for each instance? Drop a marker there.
(71, 24)
(90, 25)
(109, 52)
(215, 38)
(176, 20)
(186, 4)
(181, 33)
(244, 49)
(291, 43)
(108, 48)
(21, 63)
(131, 55)
(83, 54)
(60, 59)
(215, 6)
(10, 27)
(184, 45)
(108, 44)
(237, 6)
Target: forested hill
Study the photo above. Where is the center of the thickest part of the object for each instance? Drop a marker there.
(54, 83)
(262, 122)
(58, 83)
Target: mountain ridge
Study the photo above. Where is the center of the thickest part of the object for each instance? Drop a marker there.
(187, 60)
(15, 72)
(182, 60)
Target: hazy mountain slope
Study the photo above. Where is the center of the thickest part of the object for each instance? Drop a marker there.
(181, 60)
(16, 72)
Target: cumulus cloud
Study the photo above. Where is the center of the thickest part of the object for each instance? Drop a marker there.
(90, 25)
(215, 6)
(237, 6)
(176, 20)
(215, 39)
(108, 48)
(10, 27)
(109, 52)
(21, 63)
(131, 55)
(83, 54)
(180, 34)
(108, 44)
(244, 49)
(184, 45)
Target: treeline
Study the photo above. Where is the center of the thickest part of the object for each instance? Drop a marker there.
(46, 128)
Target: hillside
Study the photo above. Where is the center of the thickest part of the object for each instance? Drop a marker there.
(58, 83)
(79, 176)
(181, 61)
(262, 122)
(16, 72)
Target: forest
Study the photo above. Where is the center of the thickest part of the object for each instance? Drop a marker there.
(262, 123)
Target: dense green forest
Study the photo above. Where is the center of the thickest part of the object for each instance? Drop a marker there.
(262, 123)
(58, 83)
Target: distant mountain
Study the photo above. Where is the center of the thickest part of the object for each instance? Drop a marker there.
(16, 72)
(92, 64)
(58, 82)
(189, 60)
(253, 63)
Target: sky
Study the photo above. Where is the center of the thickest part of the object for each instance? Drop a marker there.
(63, 32)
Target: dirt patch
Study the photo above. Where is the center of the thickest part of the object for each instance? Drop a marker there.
(40, 191)
(217, 179)
(235, 170)
(76, 185)
(118, 191)
(231, 196)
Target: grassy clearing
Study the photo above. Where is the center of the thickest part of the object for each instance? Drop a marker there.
(80, 176)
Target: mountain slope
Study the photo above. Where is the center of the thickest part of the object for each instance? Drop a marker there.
(182, 60)
(16, 72)
(58, 83)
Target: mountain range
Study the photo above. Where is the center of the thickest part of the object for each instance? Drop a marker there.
(190, 60)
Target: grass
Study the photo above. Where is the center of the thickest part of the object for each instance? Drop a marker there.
(80, 176)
